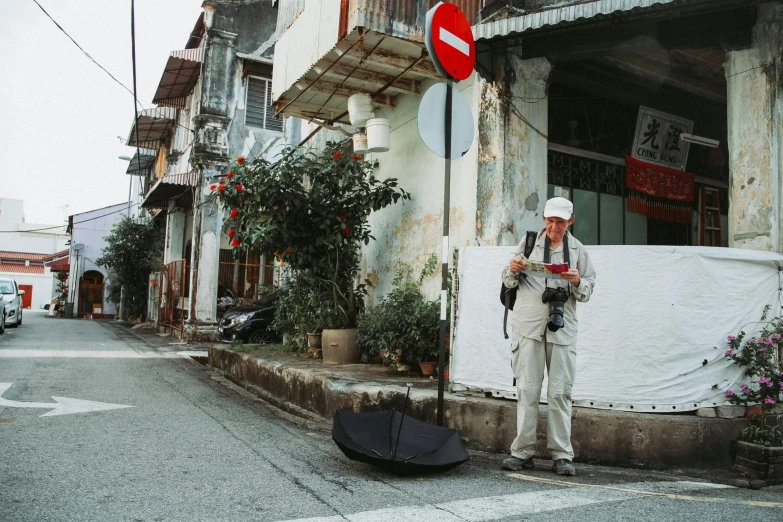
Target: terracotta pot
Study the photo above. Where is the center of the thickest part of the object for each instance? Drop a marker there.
(753, 410)
(427, 368)
(339, 346)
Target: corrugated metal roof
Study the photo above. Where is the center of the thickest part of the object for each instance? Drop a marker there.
(557, 15)
(23, 256)
(179, 77)
(21, 269)
(154, 126)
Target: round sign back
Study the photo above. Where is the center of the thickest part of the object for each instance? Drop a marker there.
(432, 128)
(453, 41)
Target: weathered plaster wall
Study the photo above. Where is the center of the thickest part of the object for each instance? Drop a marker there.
(512, 156)
(755, 116)
(408, 233)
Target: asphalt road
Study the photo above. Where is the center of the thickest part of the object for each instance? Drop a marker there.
(188, 445)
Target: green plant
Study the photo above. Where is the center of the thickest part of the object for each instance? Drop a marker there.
(760, 431)
(760, 357)
(311, 210)
(404, 320)
(61, 290)
(132, 252)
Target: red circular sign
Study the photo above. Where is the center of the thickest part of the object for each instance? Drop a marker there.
(453, 41)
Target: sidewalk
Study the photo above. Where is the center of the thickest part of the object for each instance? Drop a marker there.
(637, 440)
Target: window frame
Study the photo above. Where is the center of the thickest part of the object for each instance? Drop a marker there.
(267, 94)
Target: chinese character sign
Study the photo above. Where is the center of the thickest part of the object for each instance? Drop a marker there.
(658, 141)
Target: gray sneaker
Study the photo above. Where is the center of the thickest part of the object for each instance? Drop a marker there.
(517, 464)
(564, 467)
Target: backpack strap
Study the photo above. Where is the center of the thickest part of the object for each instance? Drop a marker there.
(530, 243)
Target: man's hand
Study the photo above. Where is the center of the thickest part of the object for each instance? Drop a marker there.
(572, 276)
(516, 266)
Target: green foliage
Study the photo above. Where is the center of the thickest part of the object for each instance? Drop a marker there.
(404, 321)
(132, 252)
(762, 431)
(61, 290)
(760, 357)
(311, 210)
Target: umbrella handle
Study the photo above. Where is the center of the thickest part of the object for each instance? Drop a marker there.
(404, 409)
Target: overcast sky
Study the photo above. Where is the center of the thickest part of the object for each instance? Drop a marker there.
(61, 116)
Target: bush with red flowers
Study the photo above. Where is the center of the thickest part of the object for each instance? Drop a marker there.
(313, 208)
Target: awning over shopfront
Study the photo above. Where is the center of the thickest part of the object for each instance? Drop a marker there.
(143, 167)
(175, 187)
(591, 11)
(154, 126)
(59, 261)
(179, 77)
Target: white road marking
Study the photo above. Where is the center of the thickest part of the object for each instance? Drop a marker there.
(504, 506)
(98, 354)
(61, 406)
(454, 41)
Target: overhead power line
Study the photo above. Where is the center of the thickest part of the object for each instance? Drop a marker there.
(81, 49)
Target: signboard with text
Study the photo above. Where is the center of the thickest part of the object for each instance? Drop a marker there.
(657, 138)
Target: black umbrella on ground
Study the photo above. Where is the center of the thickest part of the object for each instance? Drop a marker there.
(396, 443)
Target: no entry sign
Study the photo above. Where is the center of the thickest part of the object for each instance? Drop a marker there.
(449, 41)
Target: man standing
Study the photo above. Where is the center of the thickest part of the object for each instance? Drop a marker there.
(538, 343)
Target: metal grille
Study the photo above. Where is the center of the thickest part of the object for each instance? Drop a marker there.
(172, 302)
(569, 171)
(243, 281)
(260, 112)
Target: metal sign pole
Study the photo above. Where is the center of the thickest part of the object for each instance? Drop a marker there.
(444, 288)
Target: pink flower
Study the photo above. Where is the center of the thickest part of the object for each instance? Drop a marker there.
(731, 338)
(729, 393)
(744, 388)
(769, 400)
(766, 381)
(729, 353)
(775, 336)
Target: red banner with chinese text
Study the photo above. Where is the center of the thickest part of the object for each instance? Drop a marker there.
(658, 181)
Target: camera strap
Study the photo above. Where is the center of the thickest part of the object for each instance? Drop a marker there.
(548, 252)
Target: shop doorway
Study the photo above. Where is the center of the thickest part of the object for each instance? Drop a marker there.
(91, 294)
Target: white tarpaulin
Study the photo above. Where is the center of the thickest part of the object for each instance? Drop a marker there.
(652, 337)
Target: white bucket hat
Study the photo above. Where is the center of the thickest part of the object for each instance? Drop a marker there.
(559, 207)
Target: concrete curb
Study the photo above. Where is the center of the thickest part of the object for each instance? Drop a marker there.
(640, 440)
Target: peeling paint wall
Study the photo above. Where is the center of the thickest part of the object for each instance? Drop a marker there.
(755, 114)
(409, 233)
(512, 156)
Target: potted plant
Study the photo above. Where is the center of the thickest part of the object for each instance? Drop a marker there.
(405, 324)
(312, 210)
(760, 444)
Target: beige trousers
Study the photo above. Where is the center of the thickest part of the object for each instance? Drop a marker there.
(528, 359)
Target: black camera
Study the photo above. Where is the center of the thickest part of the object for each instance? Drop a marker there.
(556, 297)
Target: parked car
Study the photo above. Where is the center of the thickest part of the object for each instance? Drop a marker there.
(250, 323)
(12, 302)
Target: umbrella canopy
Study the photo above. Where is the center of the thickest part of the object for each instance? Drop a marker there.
(396, 443)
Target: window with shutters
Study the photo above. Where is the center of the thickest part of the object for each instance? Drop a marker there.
(260, 112)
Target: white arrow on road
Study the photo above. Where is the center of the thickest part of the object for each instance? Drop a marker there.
(61, 406)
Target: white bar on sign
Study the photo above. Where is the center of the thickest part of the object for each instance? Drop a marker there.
(444, 257)
(455, 41)
(443, 295)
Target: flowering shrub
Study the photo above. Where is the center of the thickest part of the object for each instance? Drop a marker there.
(312, 211)
(761, 357)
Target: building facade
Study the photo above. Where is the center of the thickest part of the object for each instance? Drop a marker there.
(213, 105)
(659, 119)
